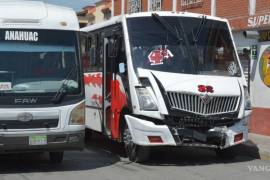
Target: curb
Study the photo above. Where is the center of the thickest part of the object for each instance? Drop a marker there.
(257, 149)
(264, 155)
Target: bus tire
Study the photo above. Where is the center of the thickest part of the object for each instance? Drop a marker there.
(56, 157)
(228, 153)
(135, 153)
(88, 134)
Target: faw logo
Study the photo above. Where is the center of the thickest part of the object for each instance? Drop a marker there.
(25, 100)
(21, 36)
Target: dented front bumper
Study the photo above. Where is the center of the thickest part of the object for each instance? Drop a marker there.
(147, 133)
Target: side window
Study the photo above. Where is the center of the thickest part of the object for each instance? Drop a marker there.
(115, 52)
(91, 53)
(85, 47)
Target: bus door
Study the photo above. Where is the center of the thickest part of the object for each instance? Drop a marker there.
(114, 99)
(109, 74)
(92, 57)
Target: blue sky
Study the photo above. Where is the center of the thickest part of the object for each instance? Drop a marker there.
(75, 4)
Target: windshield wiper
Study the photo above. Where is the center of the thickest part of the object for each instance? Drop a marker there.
(176, 31)
(189, 50)
(168, 27)
(202, 23)
(63, 88)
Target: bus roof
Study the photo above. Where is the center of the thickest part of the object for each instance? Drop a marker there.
(118, 19)
(36, 15)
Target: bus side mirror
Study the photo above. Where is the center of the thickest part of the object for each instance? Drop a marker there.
(92, 55)
(122, 68)
(113, 48)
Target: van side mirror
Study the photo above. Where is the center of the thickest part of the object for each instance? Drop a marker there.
(122, 68)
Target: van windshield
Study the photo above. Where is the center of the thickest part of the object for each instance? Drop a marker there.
(182, 45)
(37, 63)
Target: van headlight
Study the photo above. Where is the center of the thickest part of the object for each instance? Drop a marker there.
(77, 115)
(146, 101)
(247, 99)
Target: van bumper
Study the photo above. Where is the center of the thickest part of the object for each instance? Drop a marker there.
(60, 141)
(219, 137)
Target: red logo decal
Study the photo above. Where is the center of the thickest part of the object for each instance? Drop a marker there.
(95, 80)
(157, 57)
(203, 88)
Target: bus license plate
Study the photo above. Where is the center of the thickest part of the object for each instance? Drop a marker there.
(38, 140)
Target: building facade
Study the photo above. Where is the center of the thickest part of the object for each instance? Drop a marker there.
(250, 22)
(98, 12)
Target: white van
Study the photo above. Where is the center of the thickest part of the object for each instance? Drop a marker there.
(41, 86)
(165, 79)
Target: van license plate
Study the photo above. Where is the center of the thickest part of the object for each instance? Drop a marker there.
(38, 140)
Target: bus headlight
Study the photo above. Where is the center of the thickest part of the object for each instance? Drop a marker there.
(247, 99)
(77, 115)
(146, 101)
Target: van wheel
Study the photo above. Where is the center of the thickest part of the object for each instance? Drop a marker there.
(228, 153)
(134, 152)
(56, 157)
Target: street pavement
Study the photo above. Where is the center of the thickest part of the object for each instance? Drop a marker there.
(103, 159)
(262, 143)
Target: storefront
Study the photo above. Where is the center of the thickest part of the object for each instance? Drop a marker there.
(254, 52)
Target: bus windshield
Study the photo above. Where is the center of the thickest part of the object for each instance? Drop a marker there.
(38, 61)
(182, 45)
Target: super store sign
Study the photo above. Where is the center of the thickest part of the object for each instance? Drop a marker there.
(257, 21)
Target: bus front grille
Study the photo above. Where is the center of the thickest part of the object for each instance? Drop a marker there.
(33, 124)
(203, 104)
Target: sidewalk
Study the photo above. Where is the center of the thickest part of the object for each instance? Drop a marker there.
(261, 143)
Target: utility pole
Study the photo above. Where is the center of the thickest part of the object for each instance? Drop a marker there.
(213, 7)
(112, 14)
(148, 5)
(174, 5)
(123, 7)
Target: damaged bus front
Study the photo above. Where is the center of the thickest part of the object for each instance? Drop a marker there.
(191, 89)
(182, 84)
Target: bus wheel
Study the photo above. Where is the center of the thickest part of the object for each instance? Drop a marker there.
(228, 153)
(88, 134)
(56, 157)
(134, 152)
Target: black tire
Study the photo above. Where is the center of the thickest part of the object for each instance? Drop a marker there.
(56, 157)
(135, 152)
(228, 153)
(88, 134)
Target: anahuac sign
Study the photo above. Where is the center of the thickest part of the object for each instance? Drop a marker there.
(21, 36)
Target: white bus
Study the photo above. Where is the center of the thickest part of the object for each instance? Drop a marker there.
(41, 84)
(165, 79)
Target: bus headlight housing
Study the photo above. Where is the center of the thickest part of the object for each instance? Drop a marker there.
(77, 115)
(146, 101)
(247, 99)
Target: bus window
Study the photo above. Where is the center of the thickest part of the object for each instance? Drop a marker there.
(91, 59)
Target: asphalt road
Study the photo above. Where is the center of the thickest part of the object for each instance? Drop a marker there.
(103, 160)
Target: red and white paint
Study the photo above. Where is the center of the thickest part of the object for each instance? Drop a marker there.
(93, 89)
(119, 101)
